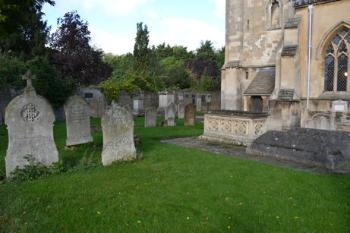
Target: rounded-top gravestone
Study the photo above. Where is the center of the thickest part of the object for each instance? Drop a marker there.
(29, 119)
(118, 135)
(77, 121)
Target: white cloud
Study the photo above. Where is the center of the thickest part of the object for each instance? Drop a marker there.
(111, 42)
(219, 7)
(113, 7)
(187, 32)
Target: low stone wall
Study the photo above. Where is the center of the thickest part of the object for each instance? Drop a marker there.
(320, 148)
(233, 127)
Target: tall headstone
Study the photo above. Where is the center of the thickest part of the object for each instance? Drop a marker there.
(181, 110)
(170, 112)
(150, 117)
(29, 119)
(118, 135)
(77, 121)
(190, 115)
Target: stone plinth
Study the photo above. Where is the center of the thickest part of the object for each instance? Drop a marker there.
(77, 121)
(118, 135)
(237, 128)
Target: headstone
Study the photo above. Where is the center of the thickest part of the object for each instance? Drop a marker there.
(150, 117)
(170, 115)
(95, 99)
(29, 119)
(190, 115)
(137, 106)
(118, 135)
(77, 121)
(181, 110)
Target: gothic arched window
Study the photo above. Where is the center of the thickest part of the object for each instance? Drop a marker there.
(275, 14)
(336, 62)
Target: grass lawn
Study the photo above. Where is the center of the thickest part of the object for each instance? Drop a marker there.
(172, 189)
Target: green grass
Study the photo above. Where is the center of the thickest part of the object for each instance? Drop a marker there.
(172, 189)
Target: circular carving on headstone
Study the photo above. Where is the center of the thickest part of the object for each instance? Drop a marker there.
(29, 113)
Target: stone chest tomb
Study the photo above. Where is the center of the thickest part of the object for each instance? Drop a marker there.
(118, 135)
(78, 121)
(29, 119)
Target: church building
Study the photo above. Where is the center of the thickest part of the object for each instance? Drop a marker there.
(288, 59)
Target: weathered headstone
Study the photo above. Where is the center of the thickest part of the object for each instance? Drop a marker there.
(137, 106)
(150, 117)
(181, 110)
(118, 135)
(77, 121)
(170, 115)
(29, 119)
(190, 115)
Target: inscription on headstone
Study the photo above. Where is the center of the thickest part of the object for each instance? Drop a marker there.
(118, 135)
(77, 121)
(29, 119)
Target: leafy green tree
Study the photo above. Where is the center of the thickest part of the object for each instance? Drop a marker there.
(142, 53)
(174, 74)
(22, 29)
(72, 54)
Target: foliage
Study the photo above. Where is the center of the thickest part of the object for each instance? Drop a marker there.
(205, 67)
(174, 74)
(34, 170)
(142, 53)
(22, 29)
(72, 54)
(11, 70)
(48, 82)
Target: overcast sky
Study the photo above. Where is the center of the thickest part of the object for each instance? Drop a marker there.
(178, 22)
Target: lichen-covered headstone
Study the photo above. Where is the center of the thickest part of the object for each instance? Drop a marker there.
(150, 117)
(190, 115)
(77, 121)
(118, 135)
(170, 112)
(29, 119)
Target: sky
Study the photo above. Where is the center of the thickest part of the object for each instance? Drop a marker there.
(176, 22)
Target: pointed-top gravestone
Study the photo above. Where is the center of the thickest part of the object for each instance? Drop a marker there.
(118, 135)
(29, 119)
(77, 121)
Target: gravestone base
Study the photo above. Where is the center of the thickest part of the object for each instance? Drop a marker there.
(320, 148)
(71, 142)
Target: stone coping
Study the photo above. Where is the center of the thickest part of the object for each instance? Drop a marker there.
(244, 114)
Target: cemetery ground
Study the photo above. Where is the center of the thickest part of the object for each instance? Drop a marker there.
(171, 189)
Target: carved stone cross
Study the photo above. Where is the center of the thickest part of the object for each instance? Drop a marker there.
(29, 77)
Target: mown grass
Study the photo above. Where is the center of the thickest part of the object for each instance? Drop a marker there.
(172, 189)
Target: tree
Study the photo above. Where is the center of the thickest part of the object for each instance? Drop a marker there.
(72, 54)
(205, 67)
(142, 53)
(22, 29)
